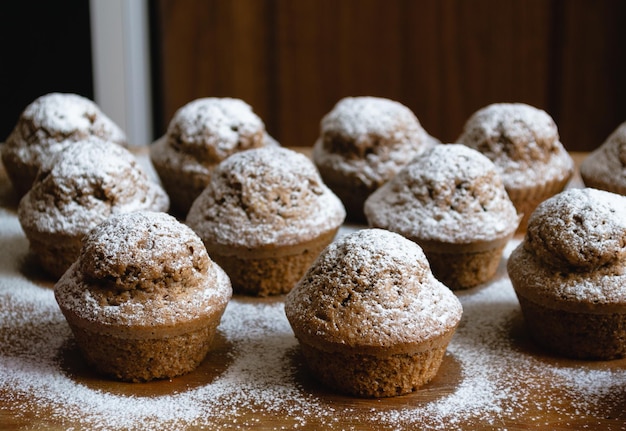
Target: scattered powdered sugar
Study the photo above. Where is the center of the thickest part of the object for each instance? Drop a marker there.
(490, 376)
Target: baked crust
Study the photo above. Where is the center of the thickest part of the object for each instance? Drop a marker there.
(48, 125)
(86, 183)
(371, 300)
(524, 144)
(363, 142)
(142, 290)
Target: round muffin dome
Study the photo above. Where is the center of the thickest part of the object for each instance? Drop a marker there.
(587, 229)
(49, 124)
(264, 217)
(449, 194)
(200, 135)
(363, 142)
(267, 196)
(211, 129)
(143, 299)
(84, 185)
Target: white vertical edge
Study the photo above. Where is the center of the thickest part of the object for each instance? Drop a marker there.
(121, 65)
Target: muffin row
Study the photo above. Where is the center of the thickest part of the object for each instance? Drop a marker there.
(267, 217)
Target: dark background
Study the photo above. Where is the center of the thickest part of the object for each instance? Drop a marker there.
(292, 60)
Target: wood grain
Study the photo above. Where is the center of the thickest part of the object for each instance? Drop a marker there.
(443, 59)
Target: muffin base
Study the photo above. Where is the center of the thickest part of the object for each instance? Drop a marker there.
(574, 334)
(55, 255)
(461, 271)
(183, 187)
(140, 359)
(274, 271)
(352, 194)
(371, 376)
(526, 200)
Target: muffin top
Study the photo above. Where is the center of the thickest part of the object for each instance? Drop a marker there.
(521, 140)
(86, 183)
(450, 194)
(574, 250)
(369, 138)
(266, 196)
(142, 269)
(372, 290)
(605, 167)
(52, 122)
(205, 131)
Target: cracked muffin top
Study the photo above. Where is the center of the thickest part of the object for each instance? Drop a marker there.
(369, 139)
(371, 290)
(450, 194)
(574, 251)
(142, 268)
(84, 185)
(51, 123)
(265, 196)
(522, 141)
(205, 131)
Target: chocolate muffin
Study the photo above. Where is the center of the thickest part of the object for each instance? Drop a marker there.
(264, 217)
(568, 274)
(143, 299)
(47, 125)
(363, 143)
(523, 142)
(451, 201)
(84, 184)
(371, 319)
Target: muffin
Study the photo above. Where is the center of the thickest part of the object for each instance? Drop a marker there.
(264, 217)
(370, 318)
(49, 124)
(451, 201)
(364, 142)
(85, 183)
(568, 274)
(523, 142)
(200, 135)
(605, 167)
(143, 299)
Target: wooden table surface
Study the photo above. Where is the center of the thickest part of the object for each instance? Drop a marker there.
(492, 377)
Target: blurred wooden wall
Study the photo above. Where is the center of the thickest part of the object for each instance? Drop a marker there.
(293, 59)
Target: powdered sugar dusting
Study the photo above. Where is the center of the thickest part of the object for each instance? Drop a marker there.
(265, 196)
(372, 288)
(215, 127)
(522, 141)
(450, 193)
(491, 377)
(368, 139)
